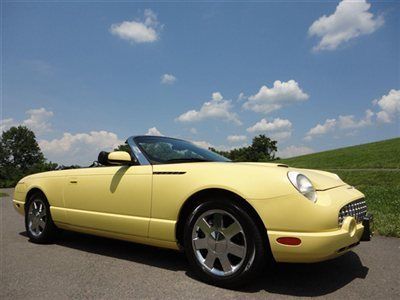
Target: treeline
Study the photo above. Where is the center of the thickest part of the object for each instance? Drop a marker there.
(261, 149)
(20, 155)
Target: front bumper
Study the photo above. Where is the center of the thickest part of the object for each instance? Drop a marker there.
(319, 246)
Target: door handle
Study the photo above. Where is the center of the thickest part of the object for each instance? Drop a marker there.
(73, 180)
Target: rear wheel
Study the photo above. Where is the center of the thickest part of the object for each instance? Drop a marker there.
(38, 222)
(223, 244)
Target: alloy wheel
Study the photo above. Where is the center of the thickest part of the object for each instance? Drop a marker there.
(37, 216)
(219, 242)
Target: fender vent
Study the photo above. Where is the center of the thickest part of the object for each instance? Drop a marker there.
(169, 173)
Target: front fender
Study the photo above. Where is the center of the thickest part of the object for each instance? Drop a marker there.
(294, 212)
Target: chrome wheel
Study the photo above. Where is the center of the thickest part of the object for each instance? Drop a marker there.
(37, 216)
(219, 242)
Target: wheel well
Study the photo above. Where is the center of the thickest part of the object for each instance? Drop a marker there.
(201, 196)
(32, 192)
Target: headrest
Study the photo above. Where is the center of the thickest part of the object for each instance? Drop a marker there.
(103, 158)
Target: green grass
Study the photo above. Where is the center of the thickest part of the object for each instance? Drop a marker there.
(3, 194)
(371, 168)
(384, 154)
(382, 193)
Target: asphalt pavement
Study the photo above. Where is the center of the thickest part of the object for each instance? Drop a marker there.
(82, 266)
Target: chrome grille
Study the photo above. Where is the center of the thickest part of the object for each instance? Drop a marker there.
(356, 209)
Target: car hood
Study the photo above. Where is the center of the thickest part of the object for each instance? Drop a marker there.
(321, 180)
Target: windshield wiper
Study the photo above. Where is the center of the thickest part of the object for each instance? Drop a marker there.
(188, 159)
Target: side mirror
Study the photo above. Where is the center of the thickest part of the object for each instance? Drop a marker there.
(119, 158)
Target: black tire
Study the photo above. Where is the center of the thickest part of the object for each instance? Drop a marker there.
(47, 230)
(254, 259)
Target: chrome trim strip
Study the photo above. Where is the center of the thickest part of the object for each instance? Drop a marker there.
(136, 151)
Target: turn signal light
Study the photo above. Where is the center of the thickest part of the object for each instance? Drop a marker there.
(291, 241)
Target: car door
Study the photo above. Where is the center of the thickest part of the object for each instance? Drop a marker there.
(115, 199)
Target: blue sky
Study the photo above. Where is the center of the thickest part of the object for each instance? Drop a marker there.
(313, 75)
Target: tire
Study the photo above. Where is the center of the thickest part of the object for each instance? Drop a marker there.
(38, 222)
(206, 235)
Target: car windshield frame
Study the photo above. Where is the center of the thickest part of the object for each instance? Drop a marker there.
(204, 155)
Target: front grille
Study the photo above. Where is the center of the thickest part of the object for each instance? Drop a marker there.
(356, 209)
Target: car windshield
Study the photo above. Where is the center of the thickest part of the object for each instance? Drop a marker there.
(164, 150)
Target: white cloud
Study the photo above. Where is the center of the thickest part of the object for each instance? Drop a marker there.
(270, 99)
(193, 130)
(139, 31)
(265, 126)
(292, 151)
(6, 124)
(349, 125)
(389, 105)
(168, 79)
(217, 96)
(216, 108)
(280, 135)
(154, 131)
(342, 122)
(38, 120)
(236, 138)
(241, 97)
(350, 20)
(202, 144)
(321, 129)
(279, 129)
(80, 148)
(206, 145)
(349, 121)
(383, 117)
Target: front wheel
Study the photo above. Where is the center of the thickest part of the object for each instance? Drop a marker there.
(223, 244)
(38, 222)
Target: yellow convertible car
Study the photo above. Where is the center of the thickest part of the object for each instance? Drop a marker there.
(229, 218)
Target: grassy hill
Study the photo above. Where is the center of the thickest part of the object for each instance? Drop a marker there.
(383, 154)
(372, 168)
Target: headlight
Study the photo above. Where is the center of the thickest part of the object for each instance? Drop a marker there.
(303, 185)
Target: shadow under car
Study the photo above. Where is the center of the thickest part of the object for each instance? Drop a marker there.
(316, 279)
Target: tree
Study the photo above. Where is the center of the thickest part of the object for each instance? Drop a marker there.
(261, 149)
(20, 155)
(264, 147)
